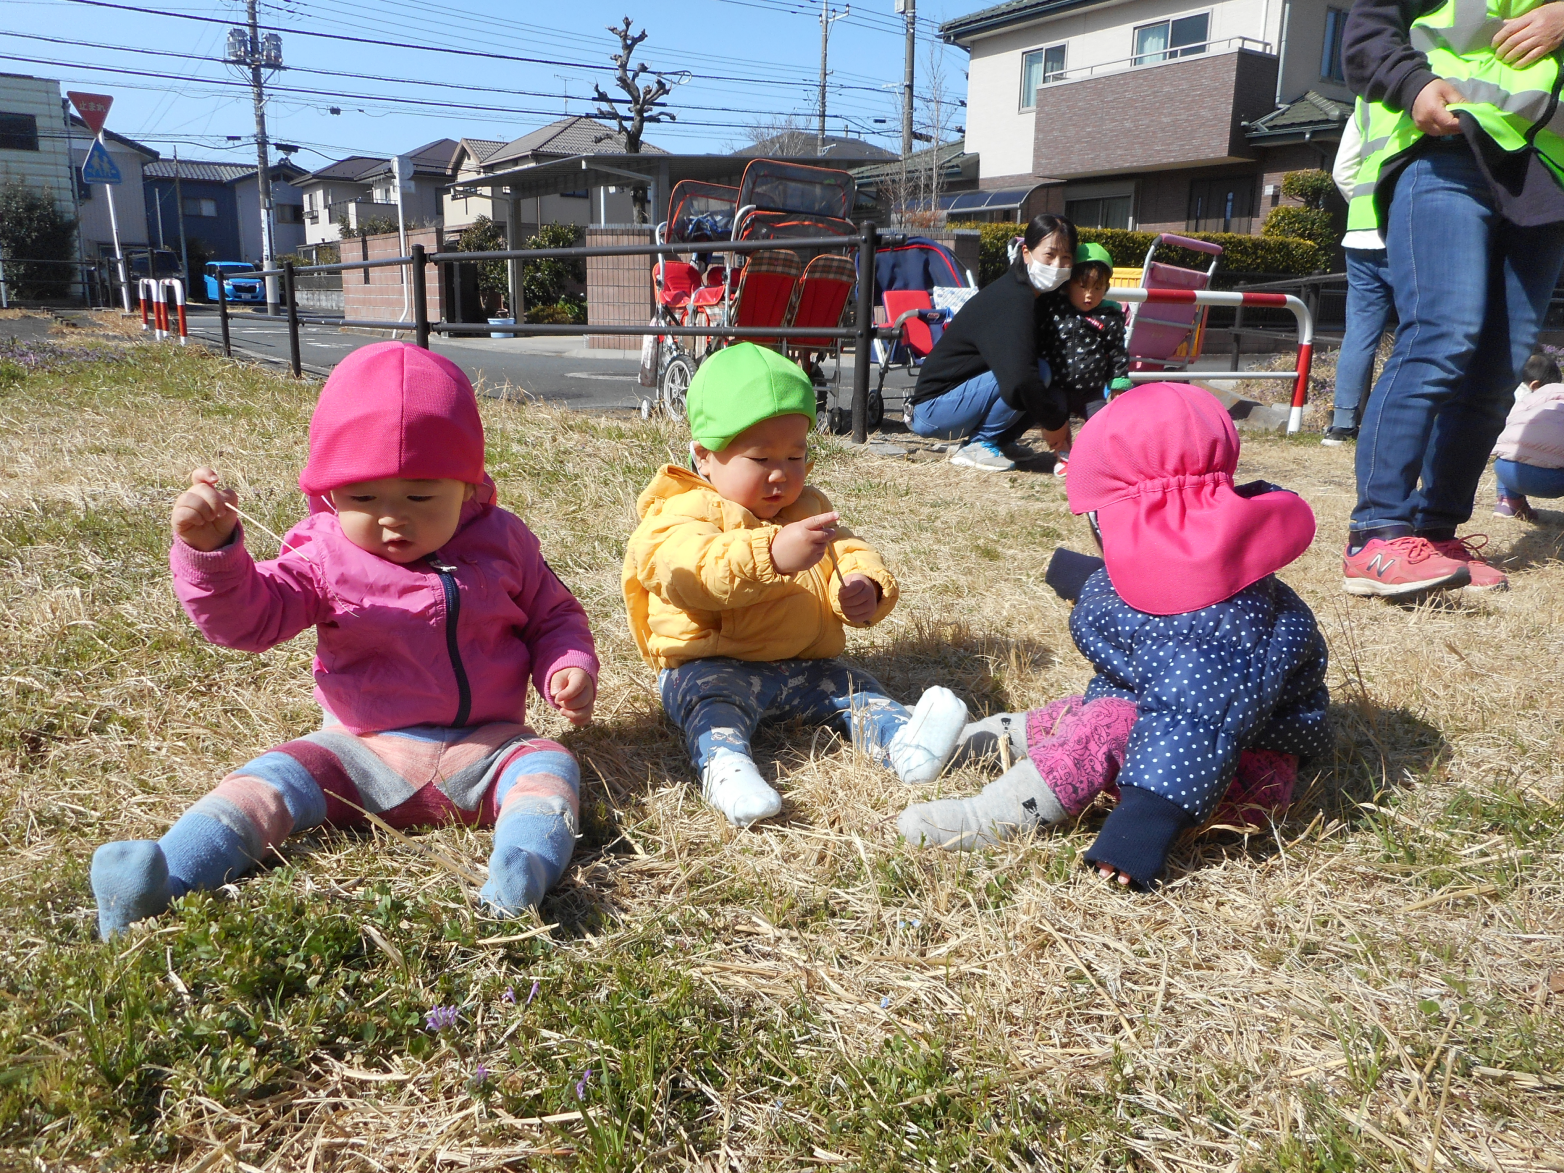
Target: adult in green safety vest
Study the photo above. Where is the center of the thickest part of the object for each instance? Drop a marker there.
(1461, 173)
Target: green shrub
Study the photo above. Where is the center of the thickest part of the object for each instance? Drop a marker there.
(543, 282)
(562, 313)
(1314, 224)
(32, 228)
(1241, 253)
(483, 236)
(1311, 188)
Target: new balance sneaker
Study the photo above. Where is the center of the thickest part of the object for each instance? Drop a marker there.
(1516, 507)
(1402, 566)
(984, 454)
(1335, 437)
(1484, 577)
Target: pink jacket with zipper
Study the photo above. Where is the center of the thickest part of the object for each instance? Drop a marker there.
(399, 645)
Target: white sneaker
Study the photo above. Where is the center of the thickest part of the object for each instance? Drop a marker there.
(732, 784)
(923, 748)
(982, 454)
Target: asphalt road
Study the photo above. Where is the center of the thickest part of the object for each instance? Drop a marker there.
(560, 370)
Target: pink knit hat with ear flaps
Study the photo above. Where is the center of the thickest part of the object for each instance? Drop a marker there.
(394, 410)
(1156, 466)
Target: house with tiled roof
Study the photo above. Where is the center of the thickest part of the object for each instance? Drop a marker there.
(220, 204)
(1162, 115)
(564, 138)
(364, 187)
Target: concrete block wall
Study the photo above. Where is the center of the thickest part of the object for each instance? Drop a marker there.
(619, 289)
(377, 294)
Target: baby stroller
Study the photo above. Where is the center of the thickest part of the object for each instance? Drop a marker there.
(921, 286)
(1166, 337)
(808, 286)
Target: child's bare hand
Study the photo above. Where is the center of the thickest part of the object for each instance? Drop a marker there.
(1058, 440)
(860, 598)
(204, 516)
(800, 545)
(573, 692)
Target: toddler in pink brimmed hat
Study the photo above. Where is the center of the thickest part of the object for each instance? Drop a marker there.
(1210, 677)
(433, 609)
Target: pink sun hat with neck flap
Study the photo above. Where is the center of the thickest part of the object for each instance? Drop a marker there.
(1156, 467)
(392, 409)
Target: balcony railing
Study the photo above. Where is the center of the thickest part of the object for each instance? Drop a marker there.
(1160, 57)
(355, 210)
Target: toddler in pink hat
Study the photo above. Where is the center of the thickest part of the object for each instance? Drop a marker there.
(1210, 677)
(432, 609)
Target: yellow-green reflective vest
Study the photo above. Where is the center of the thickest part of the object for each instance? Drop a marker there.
(1518, 108)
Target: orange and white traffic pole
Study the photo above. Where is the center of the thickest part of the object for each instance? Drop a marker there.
(178, 287)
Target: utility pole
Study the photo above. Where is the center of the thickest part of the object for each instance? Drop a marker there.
(827, 19)
(248, 49)
(910, 9)
(179, 206)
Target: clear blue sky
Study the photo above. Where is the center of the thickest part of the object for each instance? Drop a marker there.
(747, 62)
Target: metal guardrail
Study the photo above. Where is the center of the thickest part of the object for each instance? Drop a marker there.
(861, 333)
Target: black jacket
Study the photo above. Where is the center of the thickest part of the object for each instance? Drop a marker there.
(996, 331)
(1085, 351)
(1382, 66)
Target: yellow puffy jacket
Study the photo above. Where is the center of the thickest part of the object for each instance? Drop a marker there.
(698, 580)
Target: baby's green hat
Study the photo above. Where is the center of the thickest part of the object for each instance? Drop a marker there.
(740, 386)
(1091, 251)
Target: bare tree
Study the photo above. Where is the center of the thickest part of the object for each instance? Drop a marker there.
(641, 103)
(781, 136)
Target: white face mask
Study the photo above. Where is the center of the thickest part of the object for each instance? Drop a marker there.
(1045, 278)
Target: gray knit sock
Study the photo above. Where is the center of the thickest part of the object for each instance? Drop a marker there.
(1014, 803)
(981, 739)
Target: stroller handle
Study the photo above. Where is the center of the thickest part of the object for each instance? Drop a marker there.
(1199, 246)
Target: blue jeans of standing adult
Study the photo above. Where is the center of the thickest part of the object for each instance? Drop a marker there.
(972, 410)
(1369, 301)
(1528, 480)
(1471, 290)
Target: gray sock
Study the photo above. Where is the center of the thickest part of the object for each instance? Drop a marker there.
(981, 739)
(1014, 803)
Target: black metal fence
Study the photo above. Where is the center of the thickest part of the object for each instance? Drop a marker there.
(861, 333)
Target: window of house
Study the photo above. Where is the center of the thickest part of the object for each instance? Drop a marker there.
(1221, 205)
(18, 132)
(288, 213)
(1330, 55)
(199, 207)
(1099, 212)
(1167, 39)
(1038, 68)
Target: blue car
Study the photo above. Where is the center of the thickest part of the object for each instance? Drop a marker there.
(237, 284)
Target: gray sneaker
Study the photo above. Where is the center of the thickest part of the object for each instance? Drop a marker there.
(984, 454)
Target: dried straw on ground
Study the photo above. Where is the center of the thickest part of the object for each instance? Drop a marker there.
(1365, 985)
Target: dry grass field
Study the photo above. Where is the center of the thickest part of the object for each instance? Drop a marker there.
(1375, 983)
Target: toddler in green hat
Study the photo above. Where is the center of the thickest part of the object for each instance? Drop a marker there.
(739, 583)
(1082, 337)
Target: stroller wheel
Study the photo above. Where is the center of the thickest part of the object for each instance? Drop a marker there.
(676, 384)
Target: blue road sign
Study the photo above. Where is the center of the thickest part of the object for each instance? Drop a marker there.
(100, 166)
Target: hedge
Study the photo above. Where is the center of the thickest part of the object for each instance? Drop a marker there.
(1241, 253)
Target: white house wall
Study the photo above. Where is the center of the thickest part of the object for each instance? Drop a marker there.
(130, 205)
(49, 167)
(1000, 125)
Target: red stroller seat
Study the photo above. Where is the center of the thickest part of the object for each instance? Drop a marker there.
(675, 282)
(820, 297)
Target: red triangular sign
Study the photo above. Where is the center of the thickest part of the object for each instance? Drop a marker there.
(93, 108)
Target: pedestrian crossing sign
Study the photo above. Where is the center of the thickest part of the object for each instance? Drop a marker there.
(100, 166)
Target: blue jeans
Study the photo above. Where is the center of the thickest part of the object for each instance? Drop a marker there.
(719, 702)
(1369, 300)
(1528, 480)
(972, 410)
(1471, 290)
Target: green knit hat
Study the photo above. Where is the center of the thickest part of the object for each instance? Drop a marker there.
(740, 386)
(1093, 253)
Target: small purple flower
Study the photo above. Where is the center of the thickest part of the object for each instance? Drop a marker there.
(532, 995)
(581, 1085)
(509, 995)
(885, 1002)
(480, 1074)
(440, 1018)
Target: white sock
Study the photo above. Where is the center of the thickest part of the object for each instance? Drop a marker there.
(1012, 804)
(732, 784)
(923, 748)
(981, 739)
